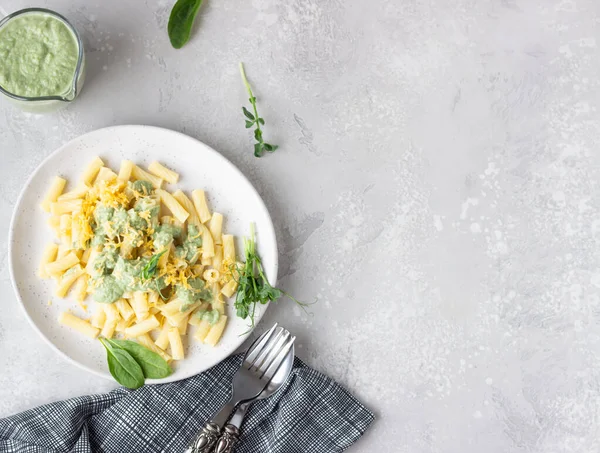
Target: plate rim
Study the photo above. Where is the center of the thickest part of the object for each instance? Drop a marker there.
(11, 240)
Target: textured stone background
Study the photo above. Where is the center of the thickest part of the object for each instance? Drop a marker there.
(436, 189)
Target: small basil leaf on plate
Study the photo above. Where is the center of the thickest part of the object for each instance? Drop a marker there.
(123, 367)
(181, 21)
(152, 364)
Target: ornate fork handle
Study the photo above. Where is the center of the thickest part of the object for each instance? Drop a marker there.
(206, 439)
(228, 439)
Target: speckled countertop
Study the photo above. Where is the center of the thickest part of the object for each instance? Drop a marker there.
(436, 189)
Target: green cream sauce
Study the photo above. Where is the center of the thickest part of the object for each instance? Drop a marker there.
(114, 275)
(38, 56)
(196, 292)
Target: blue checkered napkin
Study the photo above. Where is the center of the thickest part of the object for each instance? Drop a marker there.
(311, 414)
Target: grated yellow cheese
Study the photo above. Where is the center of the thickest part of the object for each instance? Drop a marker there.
(145, 215)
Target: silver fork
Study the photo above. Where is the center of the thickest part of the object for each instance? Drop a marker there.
(277, 377)
(260, 359)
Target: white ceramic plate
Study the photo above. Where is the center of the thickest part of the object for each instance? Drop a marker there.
(228, 192)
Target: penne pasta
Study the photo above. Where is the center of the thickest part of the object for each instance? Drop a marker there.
(85, 256)
(68, 279)
(49, 255)
(176, 344)
(177, 318)
(55, 190)
(63, 250)
(208, 246)
(125, 171)
(62, 264)
(141, 175)
(89, 267)
(108, 330)
(54, 222)
(199, 199)
(75, 194)
(215, 226)
(99, 316)
(111, 312)
(229, 288)
(146, 340)
(173, 205)
(183, 325)
(80, 288)
(105, 174)
(228, 248)
(139, 303)
(91, 171)
(217, 261)
(162, 341)
(78, 324)
(202, 330)
(172, 307)
(125, 309)
(163, 172)
(65, 230)
(65, 207)
(123, 324)
(143, 327)
(216, 332)
(154, 298)
(187, 204)
(76, 242)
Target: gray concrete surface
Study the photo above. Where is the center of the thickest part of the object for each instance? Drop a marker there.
(436, 189)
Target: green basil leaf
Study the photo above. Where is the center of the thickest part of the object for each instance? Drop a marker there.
(150, 269)
(152, 364)
(123, 367)
(249, 115)
(181, 21)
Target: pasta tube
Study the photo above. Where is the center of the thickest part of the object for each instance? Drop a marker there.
(176, 344)
(56, 188)
(78, 324)
(163, 172)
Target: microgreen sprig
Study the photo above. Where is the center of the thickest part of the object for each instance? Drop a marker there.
(253, 119)
(253, 285)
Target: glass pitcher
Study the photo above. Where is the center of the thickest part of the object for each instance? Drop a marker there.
(49, 103)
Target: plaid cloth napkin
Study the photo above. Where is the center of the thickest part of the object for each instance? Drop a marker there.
(310, 414)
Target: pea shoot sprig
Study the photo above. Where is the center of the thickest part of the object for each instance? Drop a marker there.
(253, 285)
(253, 119)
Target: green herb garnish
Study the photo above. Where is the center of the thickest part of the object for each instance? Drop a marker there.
(253, 286)
(130, 363)
(150, 269)
(123, 366)
(153, 365)
(181, 21)
(255, 120)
